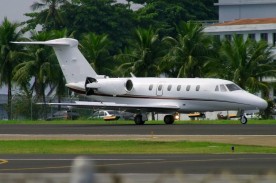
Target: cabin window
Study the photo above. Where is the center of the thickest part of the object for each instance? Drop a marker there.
(169, 88)
(160, 87)
(188, 87)
(150, 87)
(178, 87)
(197, 87)
(223, 88)
(217, 88)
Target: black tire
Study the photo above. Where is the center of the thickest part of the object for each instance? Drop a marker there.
(169, 119)
(138, 119)
(243, 120)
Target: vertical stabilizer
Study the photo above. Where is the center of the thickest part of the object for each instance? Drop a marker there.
(73, 64)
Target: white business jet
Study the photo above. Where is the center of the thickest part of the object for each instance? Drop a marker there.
(141, 95)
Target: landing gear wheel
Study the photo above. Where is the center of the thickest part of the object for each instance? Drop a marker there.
(169, 119)
(243, 119)
(138, 119)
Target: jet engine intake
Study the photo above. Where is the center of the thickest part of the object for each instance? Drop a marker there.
(109, 86)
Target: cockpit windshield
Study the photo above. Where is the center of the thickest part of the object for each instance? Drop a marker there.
(233, 87)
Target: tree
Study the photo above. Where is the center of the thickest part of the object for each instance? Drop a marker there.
(143, 55)
(101, 17)
(247, 63)
(8, 59)
(96, 49)
(39, 62)
(165, 14)
(49, 17)
(188, 51)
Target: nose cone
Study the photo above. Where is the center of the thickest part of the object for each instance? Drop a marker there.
(262, 104)
(253, 102)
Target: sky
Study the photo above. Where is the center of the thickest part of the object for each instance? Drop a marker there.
(14, 10)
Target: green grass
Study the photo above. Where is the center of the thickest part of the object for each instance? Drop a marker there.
(123, 147)
(102, 122)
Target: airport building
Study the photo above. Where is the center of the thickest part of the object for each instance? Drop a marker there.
(243, 9)
(256, 29)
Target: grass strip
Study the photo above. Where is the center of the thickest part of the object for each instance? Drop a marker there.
(123, 147)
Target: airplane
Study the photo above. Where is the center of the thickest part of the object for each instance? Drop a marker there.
(141, 95)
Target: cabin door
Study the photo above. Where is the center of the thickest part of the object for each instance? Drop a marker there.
(159, 89)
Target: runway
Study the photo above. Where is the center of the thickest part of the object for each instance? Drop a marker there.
(139, 130)
(144, 164)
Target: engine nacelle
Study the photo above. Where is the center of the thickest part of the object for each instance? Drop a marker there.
(110, 86)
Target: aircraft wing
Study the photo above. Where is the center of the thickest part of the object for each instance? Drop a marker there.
(111, 105)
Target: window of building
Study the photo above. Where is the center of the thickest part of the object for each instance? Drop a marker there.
(178, 87)
(217, 37)
(274, 39)
(150, 87)
(252, 37)
(228, 37)
(264, 36)
(197, 87)
(188, 87)
(240, 35)
(169, 88)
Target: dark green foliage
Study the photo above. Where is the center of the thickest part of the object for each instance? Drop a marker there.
(100, 17)
(165, 14)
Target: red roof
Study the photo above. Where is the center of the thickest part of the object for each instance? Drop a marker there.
(249, 21)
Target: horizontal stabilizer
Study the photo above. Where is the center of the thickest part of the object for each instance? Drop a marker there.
(55, 42)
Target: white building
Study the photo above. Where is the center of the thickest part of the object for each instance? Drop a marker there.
(242, 9)
(257, 29)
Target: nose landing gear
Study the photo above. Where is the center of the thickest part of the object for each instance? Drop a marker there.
(243, 119)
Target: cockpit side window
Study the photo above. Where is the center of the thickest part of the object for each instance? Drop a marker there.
(217, 88)
(233, 87)
(223, 88)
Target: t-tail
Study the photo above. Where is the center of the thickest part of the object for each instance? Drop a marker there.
(73, 64)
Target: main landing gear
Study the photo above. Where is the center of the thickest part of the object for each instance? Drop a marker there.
(169, 119)
(139, 119)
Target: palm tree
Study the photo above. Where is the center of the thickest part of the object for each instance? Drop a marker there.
(247, 63)
(143, 57)
(8, 59)
(188, 51)
(50, 15)
(96, 49)
(39, 62)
